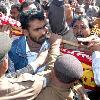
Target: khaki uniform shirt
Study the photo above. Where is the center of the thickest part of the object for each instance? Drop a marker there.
(54, 93)
(25, 87)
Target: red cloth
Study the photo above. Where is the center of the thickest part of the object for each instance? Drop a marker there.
(82, 56)
(5, 20)
(21, 1)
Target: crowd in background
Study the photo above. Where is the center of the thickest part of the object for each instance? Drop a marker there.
(50, 49)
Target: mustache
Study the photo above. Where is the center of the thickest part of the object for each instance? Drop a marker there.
(42, 37)
(78, 35)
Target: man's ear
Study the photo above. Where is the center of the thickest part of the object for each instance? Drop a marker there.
(25, 32)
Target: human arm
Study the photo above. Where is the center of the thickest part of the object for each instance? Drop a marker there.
(26, 86)
(79, 89)
(56, 16)
(31, 67)
(55, 41)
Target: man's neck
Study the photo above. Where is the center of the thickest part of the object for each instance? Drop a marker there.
(33, 46)
(59, 84)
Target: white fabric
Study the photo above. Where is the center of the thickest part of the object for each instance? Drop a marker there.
(96, 67)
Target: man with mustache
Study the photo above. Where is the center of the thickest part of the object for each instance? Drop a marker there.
(84, 36)
(26, 51)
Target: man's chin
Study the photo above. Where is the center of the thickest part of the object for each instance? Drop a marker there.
(41, 42)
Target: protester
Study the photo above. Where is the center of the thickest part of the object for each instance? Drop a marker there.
(35, 49)
(81, 30)
(26, 51)
(26, 86)
(81, 27)
(15, 12)
(3, 9)
(79, 10)
(90, 8)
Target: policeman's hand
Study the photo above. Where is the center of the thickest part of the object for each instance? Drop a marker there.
(55, 39)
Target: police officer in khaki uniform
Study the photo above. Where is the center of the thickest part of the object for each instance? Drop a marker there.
(24, 87)
(64, 76)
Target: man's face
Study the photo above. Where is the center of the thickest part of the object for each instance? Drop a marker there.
(88, 2)
(81, 28)
(14, 12)
(37, 30)
(80, 11)
(73, 3)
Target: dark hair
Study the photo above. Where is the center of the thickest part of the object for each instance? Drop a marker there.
(60, 76)
(68, 68)
(35, 13)
(3, 9)
(81, 18)
(78, 18)
(45, 5)
(17, 6)
(70, 1)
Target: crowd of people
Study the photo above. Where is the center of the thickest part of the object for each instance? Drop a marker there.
(50, 49)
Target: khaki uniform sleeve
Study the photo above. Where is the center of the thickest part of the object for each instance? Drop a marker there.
(54, 52)
(25, 87)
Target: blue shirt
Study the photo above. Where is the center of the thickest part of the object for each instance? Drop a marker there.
(20, 54)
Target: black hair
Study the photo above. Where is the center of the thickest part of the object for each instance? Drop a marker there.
(70, 1)
(61, 75)
(45, 5)
(3, 9)
(81, 18)
(26, 17)
(67, 69)
(17, 6)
